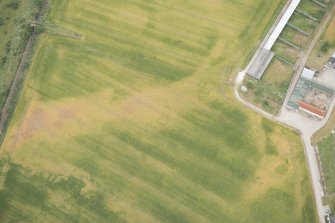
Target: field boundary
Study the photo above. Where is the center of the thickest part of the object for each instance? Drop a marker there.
(294, 121)
(14, 92)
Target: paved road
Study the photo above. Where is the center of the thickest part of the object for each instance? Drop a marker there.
(305, 56)
(305, 126)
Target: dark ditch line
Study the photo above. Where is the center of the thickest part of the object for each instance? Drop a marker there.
(307, 15)
(298, 29)
(289, 43)
(13, 95)
(319, 3)
(283, 60)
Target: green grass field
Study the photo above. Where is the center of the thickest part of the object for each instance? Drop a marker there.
(137, 122)
(327, 151)
(313, 9)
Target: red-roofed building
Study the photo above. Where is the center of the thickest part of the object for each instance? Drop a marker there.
(311, 109)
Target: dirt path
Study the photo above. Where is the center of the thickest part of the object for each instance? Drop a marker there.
(295, 121)
(303, 60)
(19, 75)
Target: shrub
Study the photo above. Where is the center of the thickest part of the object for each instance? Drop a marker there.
(38, 2)
(266, 103)
(2, 21)
(14, 4)
(7, 48)
(39, 28)
(3, 61)
(325, 47)
(250, 84)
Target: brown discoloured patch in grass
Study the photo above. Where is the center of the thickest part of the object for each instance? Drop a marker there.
(267, 175)
(265, 178)
(330, 31)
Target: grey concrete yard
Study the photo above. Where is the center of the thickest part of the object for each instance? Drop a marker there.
(327, 78)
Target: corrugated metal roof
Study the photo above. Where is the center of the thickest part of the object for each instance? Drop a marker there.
(260, 63)
(299, 93)
(301, 88)
(315, 110)
(281, 25)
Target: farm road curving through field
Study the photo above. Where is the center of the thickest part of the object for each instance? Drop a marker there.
(291, 119)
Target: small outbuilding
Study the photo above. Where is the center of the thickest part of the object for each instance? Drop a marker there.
(260, 63)
(308, 74)
(244, 89)
(311, 109)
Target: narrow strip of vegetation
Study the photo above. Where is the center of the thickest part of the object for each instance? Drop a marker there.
(17, 26)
